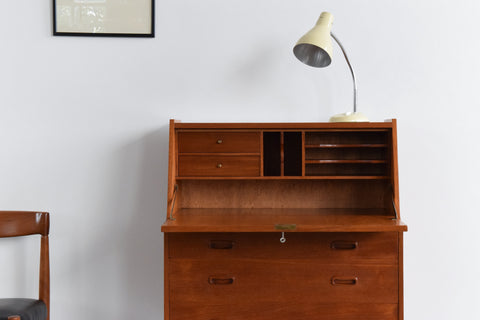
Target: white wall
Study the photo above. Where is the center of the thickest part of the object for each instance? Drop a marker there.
(83, 133)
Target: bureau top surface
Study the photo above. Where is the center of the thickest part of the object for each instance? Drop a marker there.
(287, 125)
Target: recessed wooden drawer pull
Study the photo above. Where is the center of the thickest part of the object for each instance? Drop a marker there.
(344, 245)
(219, 165)
(220, 281)
(344, 281)
(221, 244)
(219, 141)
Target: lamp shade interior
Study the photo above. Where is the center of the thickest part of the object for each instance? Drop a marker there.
(312, 55)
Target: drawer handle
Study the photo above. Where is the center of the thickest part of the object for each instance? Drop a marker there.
(221, 244)
(344, 245)
(219, 141)
(220, 281)
(344, 281)
(219, 165)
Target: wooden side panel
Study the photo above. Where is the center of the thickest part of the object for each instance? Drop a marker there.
(400, 276)
(394, 161)
(172, 168)
(166, 278)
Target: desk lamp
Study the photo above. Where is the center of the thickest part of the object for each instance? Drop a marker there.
(315, 49)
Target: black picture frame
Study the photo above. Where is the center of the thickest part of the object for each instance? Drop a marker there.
(60, 29)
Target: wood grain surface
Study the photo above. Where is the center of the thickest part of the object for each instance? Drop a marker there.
(264, 220)
(375, 248)
(331, 188)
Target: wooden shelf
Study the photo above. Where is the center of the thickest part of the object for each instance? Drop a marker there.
(289, 178)
(353, 145)
(265, 220)
(327, 161)
(220, 154)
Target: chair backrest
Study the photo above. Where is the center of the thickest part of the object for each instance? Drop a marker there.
(24, 223)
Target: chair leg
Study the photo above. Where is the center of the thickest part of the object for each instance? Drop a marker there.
(14, 318)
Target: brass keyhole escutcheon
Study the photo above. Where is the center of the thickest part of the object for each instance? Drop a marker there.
(219, 165)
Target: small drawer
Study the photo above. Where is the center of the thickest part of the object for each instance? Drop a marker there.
(218, 166)
(374, 248)
(219, 142)
(282, 281)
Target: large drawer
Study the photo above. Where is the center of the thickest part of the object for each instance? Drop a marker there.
(221, 282)
(379, 248)
(218, 166)
(218, 142)
(180, 310)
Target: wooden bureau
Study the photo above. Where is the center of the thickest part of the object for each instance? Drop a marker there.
(273, 221)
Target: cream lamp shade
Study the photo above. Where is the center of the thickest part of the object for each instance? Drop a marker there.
(315, 49)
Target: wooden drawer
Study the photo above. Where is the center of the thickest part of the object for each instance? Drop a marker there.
(279, 311)
(379, 248)
(218, 166)
(218, 142)
(222, 282)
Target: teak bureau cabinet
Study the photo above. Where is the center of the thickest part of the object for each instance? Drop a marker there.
(273, 221)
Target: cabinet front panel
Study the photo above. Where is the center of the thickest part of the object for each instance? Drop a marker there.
(206, 282)
(218, 142)
(379, 248)
(281, 311)
(218, 166)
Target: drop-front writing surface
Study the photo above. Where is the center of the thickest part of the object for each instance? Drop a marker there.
(329, 189)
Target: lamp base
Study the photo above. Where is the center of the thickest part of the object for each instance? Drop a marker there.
(349, 117)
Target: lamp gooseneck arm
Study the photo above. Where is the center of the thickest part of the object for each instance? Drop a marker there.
(351, 70)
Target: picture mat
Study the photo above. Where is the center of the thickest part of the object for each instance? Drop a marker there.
(104, 16)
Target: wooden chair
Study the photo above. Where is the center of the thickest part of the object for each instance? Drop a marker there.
(23, 223)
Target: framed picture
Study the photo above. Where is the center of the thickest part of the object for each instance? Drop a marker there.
(104, 18)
